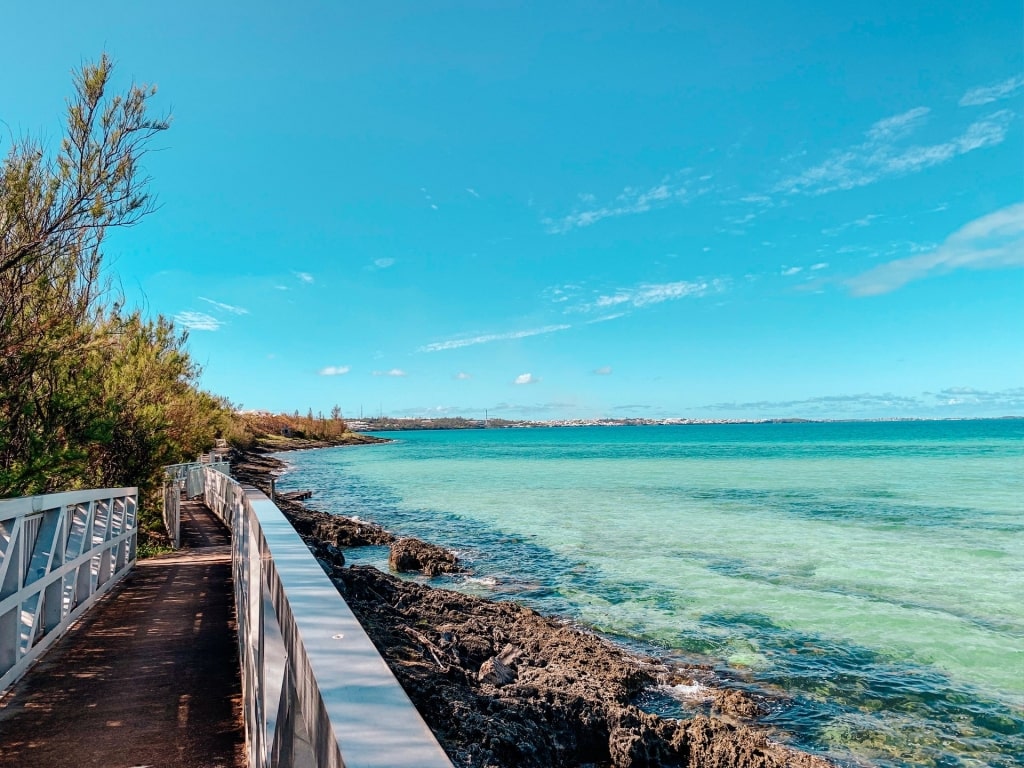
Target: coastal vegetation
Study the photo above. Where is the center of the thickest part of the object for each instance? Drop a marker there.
(92, 394)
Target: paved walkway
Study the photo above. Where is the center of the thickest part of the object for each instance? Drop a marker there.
(149, 677)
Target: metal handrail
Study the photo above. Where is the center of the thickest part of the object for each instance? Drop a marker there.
(315, 690)
(184, 481)
(59, 553)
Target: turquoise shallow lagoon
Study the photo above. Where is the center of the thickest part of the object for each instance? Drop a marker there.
(873, 573)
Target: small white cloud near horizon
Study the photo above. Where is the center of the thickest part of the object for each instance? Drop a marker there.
(993, 241)
(986, 94)
(604, 370)
(197, 321)
(463, 376)
(383, 263)
(334, 370)
(439, 346)
(526, 378)
(397, 373)
(225, 307)
(305, 277)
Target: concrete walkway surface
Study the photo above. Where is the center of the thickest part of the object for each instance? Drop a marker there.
(148, 677)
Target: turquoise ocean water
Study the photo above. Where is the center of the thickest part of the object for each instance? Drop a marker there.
(872, 574)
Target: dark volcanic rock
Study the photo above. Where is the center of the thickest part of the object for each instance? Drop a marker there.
(334, 529)
(429, 559)
(502, 686)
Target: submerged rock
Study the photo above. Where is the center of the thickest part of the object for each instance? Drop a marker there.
(413, 555)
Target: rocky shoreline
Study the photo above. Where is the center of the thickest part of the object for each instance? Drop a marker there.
(502, 686)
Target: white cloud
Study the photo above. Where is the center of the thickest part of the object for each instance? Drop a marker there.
(630, 201)
(606, 318)
(989, 242)
(397, 373)
(225, 307)
(881, 154)
(790, 271)
(863, 221)
(526, 378)
(986, 94)
(304, 277)
(897, 126)
(439, 346)
(197, 321)
(473, 192)
(463, 376)
(819, 265)
(604, 370)
(653, 293)
(383, 263)
(334, 370)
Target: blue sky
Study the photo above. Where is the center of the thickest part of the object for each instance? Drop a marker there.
(550, 210)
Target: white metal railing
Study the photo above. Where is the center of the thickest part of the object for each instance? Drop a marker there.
(184, 480)
(172, 512)
(315, 690)
(58, 554)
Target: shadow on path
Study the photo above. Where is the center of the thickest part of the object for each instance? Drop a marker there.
(149, 677)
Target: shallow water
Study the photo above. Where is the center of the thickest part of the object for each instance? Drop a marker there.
(873, 573)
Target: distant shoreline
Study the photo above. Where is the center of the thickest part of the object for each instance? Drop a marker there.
(408, 424)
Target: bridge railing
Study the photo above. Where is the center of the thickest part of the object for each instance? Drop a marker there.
(315, 690)
(184, 481)
(58, 554)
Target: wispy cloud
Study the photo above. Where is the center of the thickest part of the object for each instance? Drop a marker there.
(883, 154)
(427, 197)
(986, 94)
(630, 201)
(334, 370)
(197, 321)
(863, 221)
(305, 277)
(383, 263)
(396, 373)
(473, 192)
(604, 370)
(989, 242)
(225, 307)
(646, 294)
(439, 346)
(606, 318)
(463, 376)
(526, 378)
(790, 271)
